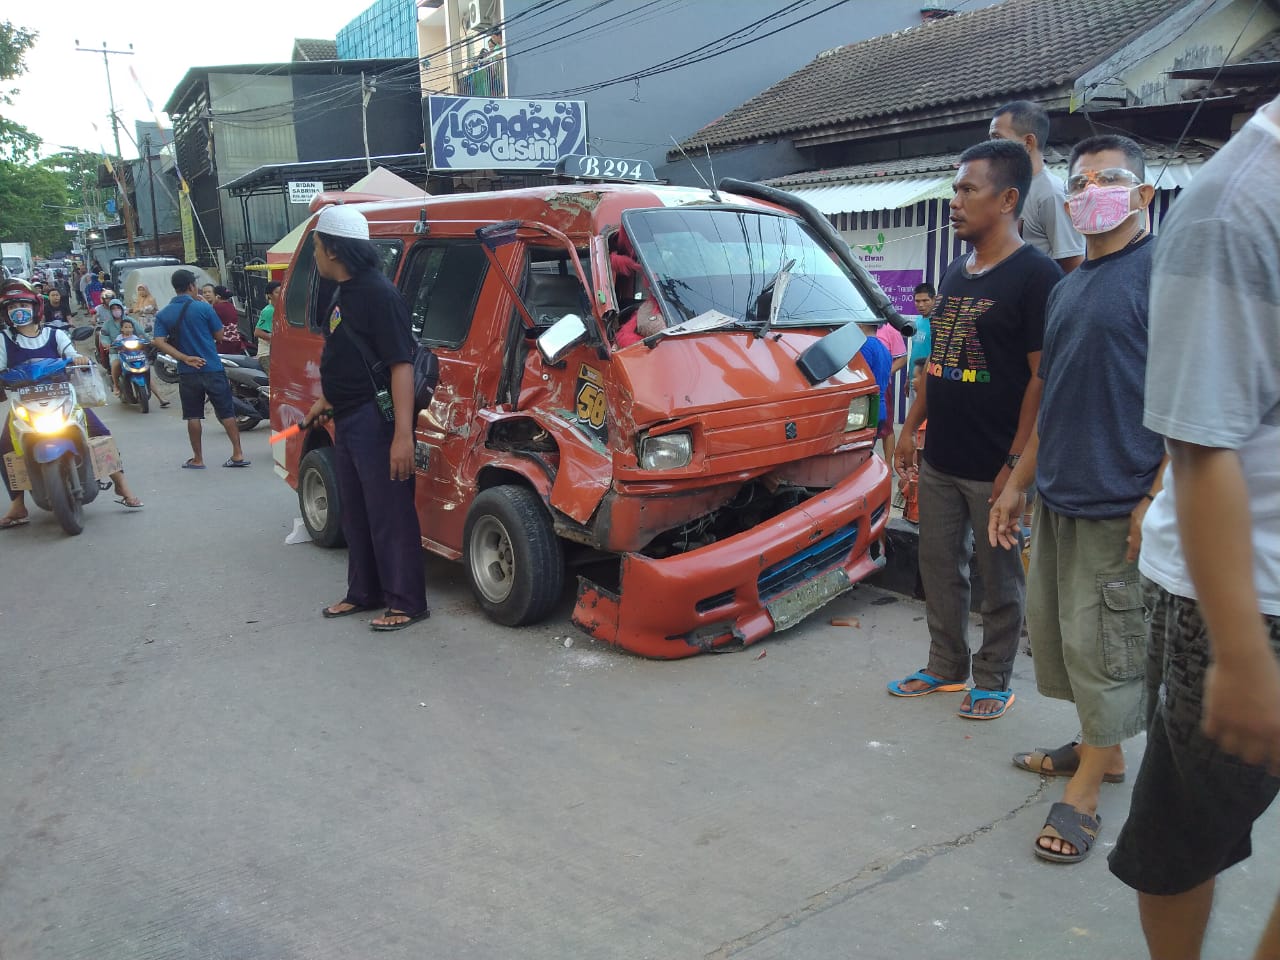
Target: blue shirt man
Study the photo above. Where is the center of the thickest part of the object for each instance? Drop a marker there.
(188, 330)
(196, 335)
(881, 363)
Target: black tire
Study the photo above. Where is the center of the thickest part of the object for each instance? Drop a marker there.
(246, 423)
(144, 398)
(319, 499)
(513, 557)
(67, 508)
(165, 374)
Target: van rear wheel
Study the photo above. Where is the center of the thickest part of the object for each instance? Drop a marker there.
(513, 556)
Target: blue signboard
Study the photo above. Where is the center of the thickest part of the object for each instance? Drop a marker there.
(480, 133)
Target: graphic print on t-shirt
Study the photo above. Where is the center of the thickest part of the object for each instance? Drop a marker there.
(335, 318)
(957, 350)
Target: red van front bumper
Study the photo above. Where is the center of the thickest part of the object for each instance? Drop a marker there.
(741, 589)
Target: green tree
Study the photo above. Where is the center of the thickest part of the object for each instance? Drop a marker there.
(34, 206)
(16, 141)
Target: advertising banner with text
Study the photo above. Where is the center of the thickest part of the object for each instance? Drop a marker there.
(480, 133)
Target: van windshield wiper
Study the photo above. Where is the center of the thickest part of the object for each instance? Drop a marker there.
(774, 290)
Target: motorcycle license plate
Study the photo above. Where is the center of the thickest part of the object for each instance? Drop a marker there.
(44, 391)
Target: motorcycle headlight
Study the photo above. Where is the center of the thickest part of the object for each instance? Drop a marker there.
(50, 422)
(859, 415)
(130, 344)
(668, 452)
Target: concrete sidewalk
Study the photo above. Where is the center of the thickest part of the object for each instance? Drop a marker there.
(197, 766)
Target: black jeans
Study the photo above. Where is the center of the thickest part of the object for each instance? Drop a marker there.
(379, 518)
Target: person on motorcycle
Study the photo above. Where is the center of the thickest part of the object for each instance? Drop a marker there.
(111, 333)
(24, 337)
(130, 329)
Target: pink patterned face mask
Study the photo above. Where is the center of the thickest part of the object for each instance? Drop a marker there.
(1100, 209)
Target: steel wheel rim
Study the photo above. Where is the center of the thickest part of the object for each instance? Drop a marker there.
(492, 559)
(315, 500)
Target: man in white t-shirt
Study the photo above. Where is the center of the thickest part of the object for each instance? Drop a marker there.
(1211, 544)
(1045, 224)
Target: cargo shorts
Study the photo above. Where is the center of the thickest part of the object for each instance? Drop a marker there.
(1087, 623)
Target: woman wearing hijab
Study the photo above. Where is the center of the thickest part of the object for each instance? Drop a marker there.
(144, 305)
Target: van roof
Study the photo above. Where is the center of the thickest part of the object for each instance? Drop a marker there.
(574, 209)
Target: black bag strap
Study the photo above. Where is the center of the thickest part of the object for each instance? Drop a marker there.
(176, 329)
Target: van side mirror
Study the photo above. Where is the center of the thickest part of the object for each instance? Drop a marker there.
(561, 337)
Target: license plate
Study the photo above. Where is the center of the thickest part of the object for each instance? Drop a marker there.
(44, 391)
(790, 609)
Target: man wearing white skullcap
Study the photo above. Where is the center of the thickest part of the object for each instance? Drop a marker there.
(366, 383)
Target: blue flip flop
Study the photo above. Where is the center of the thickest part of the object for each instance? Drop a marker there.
(193, 466)
(936, 685)
(1005, 697)
(237, 463)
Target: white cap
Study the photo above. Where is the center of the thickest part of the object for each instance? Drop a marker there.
(343, 221)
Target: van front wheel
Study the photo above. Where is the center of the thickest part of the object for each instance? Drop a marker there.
(513, 556)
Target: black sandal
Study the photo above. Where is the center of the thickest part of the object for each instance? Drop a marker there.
(1065, 762)
(355, 608)
(1067, 823)
(409, 621)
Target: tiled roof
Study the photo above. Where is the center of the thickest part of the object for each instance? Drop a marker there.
(1055, 155)
(315, 49)
(1012, 49)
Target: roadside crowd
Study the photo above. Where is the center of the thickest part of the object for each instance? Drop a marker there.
(1132, 387)
(1129, 386)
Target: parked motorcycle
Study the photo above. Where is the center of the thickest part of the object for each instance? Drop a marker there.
(134, 366)
(250, 391)
(51, 439)
(166, 367)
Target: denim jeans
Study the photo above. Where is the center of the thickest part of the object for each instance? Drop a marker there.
(953, 534)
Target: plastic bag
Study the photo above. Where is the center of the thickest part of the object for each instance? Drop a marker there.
(90, 387)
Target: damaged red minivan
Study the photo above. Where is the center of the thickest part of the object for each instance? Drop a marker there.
(708, 485)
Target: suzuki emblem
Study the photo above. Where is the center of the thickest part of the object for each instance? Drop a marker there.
(791, 430)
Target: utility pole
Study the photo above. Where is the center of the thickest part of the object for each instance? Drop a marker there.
(151, 184)
(366, 94)
(115, 130)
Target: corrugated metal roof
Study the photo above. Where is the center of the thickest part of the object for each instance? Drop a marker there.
(890, 193)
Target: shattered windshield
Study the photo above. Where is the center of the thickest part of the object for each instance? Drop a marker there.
(737, 261)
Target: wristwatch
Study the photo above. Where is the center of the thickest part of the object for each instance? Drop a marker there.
(1012, 459)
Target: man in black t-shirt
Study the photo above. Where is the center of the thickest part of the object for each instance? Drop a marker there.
(981, 397)
(366, 384)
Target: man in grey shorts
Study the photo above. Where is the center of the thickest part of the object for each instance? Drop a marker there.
(1095, 476)
(1211, 544)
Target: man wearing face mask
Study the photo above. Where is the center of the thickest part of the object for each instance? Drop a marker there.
(1084, 598)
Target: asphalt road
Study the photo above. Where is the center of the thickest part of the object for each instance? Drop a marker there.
(195, 765)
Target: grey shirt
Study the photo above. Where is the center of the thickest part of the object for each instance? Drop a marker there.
(1213, 371)
(1045, 224)
(1096, 459)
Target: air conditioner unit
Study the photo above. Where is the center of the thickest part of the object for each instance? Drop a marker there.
(476, 18)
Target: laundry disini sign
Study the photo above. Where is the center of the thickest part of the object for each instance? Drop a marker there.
(482, 133)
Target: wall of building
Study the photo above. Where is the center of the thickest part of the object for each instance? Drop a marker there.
(638, 120)
(252, 126)
(386, 28)
(327, 117)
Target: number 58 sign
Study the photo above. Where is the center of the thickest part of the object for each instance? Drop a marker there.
(590, 402)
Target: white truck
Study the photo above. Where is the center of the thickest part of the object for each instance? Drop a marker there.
(17, 259)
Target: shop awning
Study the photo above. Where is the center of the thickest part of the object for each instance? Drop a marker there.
(856, 192)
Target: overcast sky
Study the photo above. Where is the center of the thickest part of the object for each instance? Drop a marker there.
(64, 92)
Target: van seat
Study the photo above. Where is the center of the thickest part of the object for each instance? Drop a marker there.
(549, 296)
